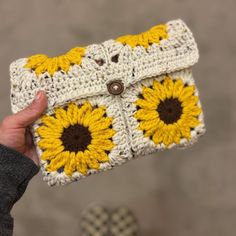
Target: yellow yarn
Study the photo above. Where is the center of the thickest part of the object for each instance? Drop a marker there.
(41, 63)
(95, 153)
(149, 118)
(153, 35)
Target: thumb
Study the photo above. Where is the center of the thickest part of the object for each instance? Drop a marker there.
(32, 112)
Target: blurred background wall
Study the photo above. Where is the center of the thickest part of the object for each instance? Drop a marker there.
(173, 193)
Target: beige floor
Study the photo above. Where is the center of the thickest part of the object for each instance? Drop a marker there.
(173, 193)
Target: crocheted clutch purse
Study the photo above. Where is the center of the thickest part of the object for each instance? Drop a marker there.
(111, 102)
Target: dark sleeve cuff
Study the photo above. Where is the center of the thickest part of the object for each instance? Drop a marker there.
(6, 225)
(16, 170)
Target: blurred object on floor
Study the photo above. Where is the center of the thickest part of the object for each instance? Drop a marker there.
(95, 221)
(123, 223)
(98, 220)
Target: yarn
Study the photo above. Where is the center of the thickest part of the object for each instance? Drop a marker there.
(42, 63)
(81, 144)
(111, 102)
(173, 109)
(153, 35)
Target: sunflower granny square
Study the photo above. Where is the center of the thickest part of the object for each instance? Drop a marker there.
(111, 102)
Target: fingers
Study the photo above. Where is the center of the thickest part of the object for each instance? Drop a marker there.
(31, 147)
(31, 113)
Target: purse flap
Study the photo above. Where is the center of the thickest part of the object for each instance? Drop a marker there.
(86, 71)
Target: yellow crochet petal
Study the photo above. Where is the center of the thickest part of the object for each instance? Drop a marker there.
(161, 135)
(42, 68)
(123, 39)
(143, 114)
(190, 120)
(186, 93)
(184, 128)
(102, 124)
(75, 54)
(191, 102)
(70, 165)
(82, 111)
(91, 162)
(103, 144)
(150, 132)
(81, 164)
(185, 131)
(52, 123)
(178, 87)
(98, 154)
(153, 35)
(103, 134)
(149, 124)
(150, 95)
(103, 157)
(58, 162)
(158, 136)
(35, 61)
(143, 40)
(61, 115)
(193, 111)
(46, 132)
(95, 115)
(72, 113)
(86, 119)
(51, 154)
(193, 122)
(168, 139)
(159, 90)
(64, 63)
(142, 103)
(49, 143)
(131, 41)
(177, 136)
(169, 133)
(52, 65)
(169, 86)
(158, 32)
(74, 59)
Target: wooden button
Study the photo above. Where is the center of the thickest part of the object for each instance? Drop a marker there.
(115, 87)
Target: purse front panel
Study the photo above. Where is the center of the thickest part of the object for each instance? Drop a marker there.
(163, 112)
(80, 138)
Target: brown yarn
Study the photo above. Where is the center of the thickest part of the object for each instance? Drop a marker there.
(170, 110)
(76, 138)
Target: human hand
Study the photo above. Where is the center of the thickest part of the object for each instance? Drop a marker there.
(13, 129)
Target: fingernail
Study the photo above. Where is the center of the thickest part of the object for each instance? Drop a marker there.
(38, 95)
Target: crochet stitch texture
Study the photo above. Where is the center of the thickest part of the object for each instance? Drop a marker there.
(111, 102)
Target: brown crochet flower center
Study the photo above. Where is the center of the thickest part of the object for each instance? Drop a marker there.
(170, 110)
(76, 138)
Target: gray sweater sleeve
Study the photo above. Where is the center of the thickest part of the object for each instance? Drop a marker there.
(16, 170)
